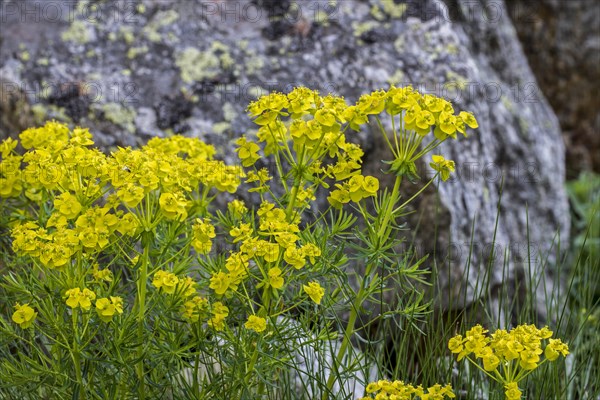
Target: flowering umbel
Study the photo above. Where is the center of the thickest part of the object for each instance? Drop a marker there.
(508, 356)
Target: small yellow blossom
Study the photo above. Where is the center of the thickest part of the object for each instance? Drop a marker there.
(24, 315)
(167, 281)
(315, 291)
(108, 307)
(443, 166)
(257, 324)
(80, 298)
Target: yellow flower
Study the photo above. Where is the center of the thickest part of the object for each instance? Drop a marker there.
(294, 257)
(131, 195)
(195, 308)
(443, 166)
(257, 324)
(555, 348)
(80, 298)
(315, 291)
(7, 146)
(203, 233)
(456, 344)
(166, 280)
(237, 208)
(24, 315)
(220, 282)
(275, 279)
(108, 307)
(219, 312)
(102, 274)
(67, 205)
(173, 205)
(512, 391)
(247, 152)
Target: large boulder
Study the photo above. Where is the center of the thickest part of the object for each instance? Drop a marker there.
(133, 70)
(561, 40)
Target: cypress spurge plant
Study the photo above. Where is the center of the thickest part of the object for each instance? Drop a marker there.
(508, 357)
(128, 281)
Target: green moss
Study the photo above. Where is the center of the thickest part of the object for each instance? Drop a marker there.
(77, 33)
(44, 62)
(119, 115)
(25, 56)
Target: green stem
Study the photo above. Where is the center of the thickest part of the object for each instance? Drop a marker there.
(416, 194)
(290, 207)
(346, 340)
(77, 356)
(141, 300)
(389, 209)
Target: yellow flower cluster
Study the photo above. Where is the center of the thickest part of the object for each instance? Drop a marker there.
(314, 291)
(255, 323)
(24, 315)
(355, 189)
(274, 241)
(94, 196)
(169, 283)
(108, 307)
(508, 356)
(80, 298)
(443, 166)
(203, 233)
(398, 390)
(62, 237)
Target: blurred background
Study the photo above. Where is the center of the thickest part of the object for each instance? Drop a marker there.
(529, 71)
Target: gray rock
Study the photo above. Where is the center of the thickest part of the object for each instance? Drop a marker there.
(116, 70)
(562, 43)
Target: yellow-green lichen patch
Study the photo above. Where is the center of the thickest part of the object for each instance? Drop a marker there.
(136, 51)
(77, 33)
(454, 80)
(119, 115)
(397, 78)
(127, 34)
(160, 20)
(321, 17)
(196, 65)
(221, 127)
(399, 44)
(229, 112)
(363, 27)
(388, 8)
(44, 112)
(44, 62)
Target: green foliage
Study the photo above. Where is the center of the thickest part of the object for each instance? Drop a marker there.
(126, 276)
